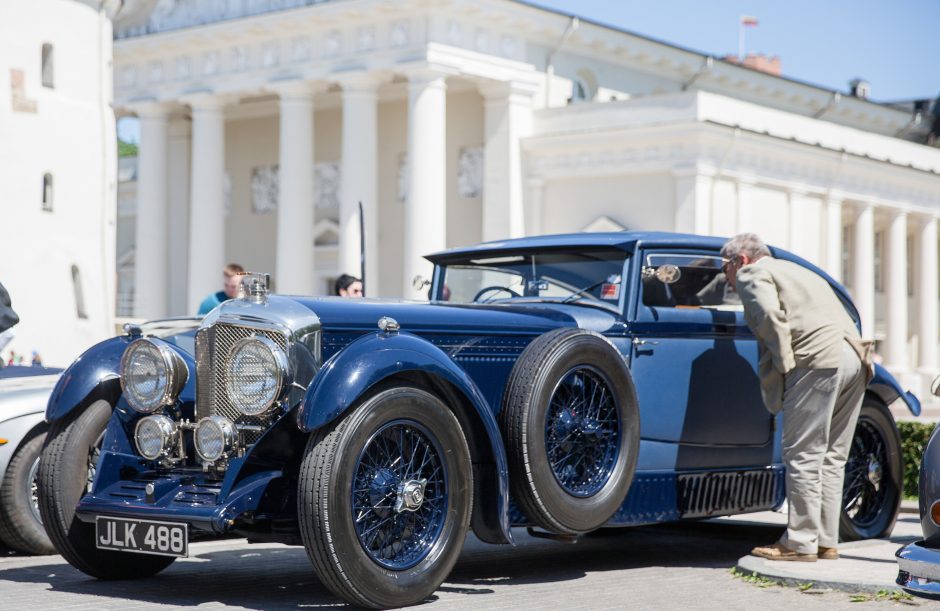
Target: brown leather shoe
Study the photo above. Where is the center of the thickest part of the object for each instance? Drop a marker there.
(778, 552)
(828, 553)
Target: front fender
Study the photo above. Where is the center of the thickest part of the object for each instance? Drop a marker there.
(348, 375)
(887, 388)
(94, 375)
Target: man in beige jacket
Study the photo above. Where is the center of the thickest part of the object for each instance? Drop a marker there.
(814, 367)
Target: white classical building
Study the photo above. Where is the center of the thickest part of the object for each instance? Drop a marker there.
(265, 122)
(57, 174)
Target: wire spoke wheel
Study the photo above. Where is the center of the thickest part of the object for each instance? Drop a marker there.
(864, 493)
(582, 432)
(399, 496)
(871, 490)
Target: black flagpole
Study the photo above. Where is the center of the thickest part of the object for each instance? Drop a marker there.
(362, 249)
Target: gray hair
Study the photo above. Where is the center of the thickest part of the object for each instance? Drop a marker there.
(748, 244)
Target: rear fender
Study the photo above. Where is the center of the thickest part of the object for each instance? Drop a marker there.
(349, 374)
(888, 390)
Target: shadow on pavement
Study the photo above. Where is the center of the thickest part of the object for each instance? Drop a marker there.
(282, 577)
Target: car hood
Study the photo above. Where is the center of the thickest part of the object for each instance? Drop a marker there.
(339, 314)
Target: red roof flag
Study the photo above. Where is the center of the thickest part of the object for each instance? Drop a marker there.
(749, 21)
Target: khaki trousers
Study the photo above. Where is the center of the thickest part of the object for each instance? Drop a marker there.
(820, 409)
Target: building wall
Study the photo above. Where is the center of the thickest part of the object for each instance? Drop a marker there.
(635, 202)
(67, 131)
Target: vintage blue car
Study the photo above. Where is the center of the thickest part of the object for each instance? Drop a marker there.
(919, 562)
(561, 383)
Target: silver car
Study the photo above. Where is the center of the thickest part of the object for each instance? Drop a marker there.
(24, 392)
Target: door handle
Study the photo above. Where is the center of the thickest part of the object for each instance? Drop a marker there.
(643, 342)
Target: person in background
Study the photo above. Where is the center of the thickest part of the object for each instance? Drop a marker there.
(814, 368)
(348, 286)
(232, 273)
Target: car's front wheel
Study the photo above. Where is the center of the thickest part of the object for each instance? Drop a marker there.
(871, 494)
(20, 523)
(66, 470)
(384, 499)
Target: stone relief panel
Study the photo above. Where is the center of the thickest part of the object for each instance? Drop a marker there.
(240, 58)
(301, 49)
(211, 63)
(327, 179)
(264, 189)
(470, 172)
(183, 68)
(400, 34)
(366, 39)
(155, 72)
(271, 54)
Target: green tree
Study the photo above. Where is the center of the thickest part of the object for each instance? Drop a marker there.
(126, 149)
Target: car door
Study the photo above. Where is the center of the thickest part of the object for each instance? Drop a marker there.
(694, 364)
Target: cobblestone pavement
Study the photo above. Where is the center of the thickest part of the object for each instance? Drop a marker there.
(682, 566)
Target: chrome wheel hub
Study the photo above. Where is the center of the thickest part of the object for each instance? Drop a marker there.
(874, 472)
(410, 495)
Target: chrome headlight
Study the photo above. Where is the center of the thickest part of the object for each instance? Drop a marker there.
(215, 436)
(152, 374)
(155, 436)
(255, 374)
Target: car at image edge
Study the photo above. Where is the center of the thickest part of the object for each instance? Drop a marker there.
(561, 383)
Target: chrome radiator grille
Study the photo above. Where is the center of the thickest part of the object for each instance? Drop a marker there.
(212, 349)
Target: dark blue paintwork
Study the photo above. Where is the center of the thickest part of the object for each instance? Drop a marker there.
(349, 374)
(95, 374)
(693, 423)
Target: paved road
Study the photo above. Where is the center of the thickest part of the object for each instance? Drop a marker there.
(683, 566)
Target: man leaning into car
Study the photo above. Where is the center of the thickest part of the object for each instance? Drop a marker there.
(814, 367)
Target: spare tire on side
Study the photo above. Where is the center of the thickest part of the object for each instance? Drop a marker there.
(571, 426)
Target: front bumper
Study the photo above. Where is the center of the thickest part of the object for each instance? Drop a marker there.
(919, 569)
(206, 504)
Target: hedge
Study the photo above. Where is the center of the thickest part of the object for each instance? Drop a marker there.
(914, 437)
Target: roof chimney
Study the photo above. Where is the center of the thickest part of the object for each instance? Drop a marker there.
(859, 88)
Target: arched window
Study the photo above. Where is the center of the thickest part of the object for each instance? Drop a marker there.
(79, 293)
(48, 72)
(47, 192)
(583, 87)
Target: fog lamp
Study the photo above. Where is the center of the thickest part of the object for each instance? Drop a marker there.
(156, 436)
(215, 437)
(935, 512)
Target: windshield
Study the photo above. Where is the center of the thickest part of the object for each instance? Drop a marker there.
(593, 276)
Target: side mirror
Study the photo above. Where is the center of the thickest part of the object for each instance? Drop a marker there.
(935, 387)
(668, 273)
(419, 282)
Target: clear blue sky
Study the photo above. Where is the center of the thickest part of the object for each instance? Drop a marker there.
(893, 44)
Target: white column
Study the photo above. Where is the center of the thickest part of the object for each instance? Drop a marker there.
(207, 198)
(536, 202)
(796, 221)
(744, 188)
(178, 239)
(151, 255)
(863, 268)
(693, 201)
(294, 251)
(508, 119)
(360, 177)
(896, 288)
(927, 296)
(425, 210)
(833, 244)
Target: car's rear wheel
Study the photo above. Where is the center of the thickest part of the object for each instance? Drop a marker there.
(20, 523)
(384, 500)
(67, 467)
(871, 494)
(571, 425)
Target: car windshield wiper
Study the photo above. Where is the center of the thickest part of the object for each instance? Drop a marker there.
(581, 292)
